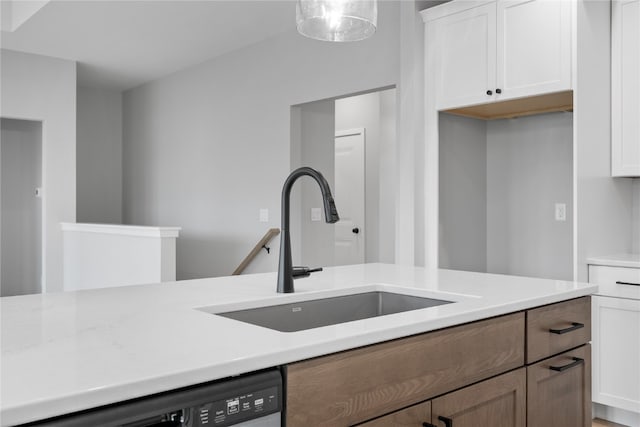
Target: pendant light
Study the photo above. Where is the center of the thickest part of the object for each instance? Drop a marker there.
(337, 20)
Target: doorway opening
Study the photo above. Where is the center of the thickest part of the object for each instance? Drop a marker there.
(351, 140)
(20, 207)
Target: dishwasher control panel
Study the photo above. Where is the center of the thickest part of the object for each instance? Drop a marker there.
(234, 409)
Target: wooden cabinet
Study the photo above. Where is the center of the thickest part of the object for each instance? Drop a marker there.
(497, 402)
(559, 390)
(357, 385)
(616, 352)
(468, 375)
(482, 52)
(625, 85)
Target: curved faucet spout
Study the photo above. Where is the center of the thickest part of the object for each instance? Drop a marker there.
(285, 266)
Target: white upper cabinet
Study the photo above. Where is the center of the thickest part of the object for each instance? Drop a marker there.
(534, 47)
(625, 82)
(465, 56)
(482, 52)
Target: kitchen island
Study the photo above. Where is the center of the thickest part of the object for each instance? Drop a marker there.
(67, 352)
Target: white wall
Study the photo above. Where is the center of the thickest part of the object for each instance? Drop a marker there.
(21, 229)
(207, 147)
(99, 155)
(603, 204)
(41, 88)
(529, 169)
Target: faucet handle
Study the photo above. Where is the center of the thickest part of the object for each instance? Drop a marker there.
(300, 272)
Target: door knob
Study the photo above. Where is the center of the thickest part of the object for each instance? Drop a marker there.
(355, 230)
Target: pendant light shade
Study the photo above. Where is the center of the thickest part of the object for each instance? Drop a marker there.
(337, 20)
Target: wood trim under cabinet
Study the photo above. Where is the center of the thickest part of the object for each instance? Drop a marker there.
(548, 103)
(358, 385)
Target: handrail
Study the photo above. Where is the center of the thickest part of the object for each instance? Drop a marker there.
(270, 234)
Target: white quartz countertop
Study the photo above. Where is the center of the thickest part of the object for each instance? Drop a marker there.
(619, 260)
(65, 352)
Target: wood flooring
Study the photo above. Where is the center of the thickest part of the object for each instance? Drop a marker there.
(602, 423)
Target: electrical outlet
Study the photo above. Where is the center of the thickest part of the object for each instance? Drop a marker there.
(316, 214)
(561, 212)
(264, 215)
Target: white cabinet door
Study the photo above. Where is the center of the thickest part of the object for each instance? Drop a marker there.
(464, 57)
(616, 352)
(625, 81)
(534, 47)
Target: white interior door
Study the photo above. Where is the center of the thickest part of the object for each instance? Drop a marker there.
(350, 196)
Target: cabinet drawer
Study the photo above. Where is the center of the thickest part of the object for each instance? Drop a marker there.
(357, 385)
(603, 275)
(413, 416)
(558, 327)
(559, 390)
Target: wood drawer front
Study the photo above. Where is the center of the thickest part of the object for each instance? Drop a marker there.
(542, 343)
(560, 398)
(413, 416)
(603, 275)
(361, 384)
(497, 402)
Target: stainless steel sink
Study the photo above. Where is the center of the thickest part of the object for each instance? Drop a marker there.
(331, 311)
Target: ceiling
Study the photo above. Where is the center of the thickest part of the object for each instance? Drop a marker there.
(120, 44)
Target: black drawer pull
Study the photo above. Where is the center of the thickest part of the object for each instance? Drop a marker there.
(576, 361)
(448, 422)
(627, 283)
(426, 424)
(573, 327)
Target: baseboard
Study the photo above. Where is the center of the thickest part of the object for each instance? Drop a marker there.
(616, 415)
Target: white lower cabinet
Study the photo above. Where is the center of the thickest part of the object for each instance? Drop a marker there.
(616, 352)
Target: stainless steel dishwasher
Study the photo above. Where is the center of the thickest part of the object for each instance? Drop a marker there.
(253, 400)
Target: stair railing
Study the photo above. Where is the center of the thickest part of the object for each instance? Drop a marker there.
(262, 244)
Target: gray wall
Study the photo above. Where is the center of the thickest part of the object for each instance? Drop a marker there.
(207, 147)
(463, 193)
(21, 228)
(99, 156)
(387, 174)
(635, 246)
(376, 113)
(499, 182)
(42, 88)
(316, 238)
(529, 169)
(319, 121)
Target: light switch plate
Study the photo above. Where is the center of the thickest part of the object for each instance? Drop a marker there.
(264, 215)
(316, 214)
(561, 212)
